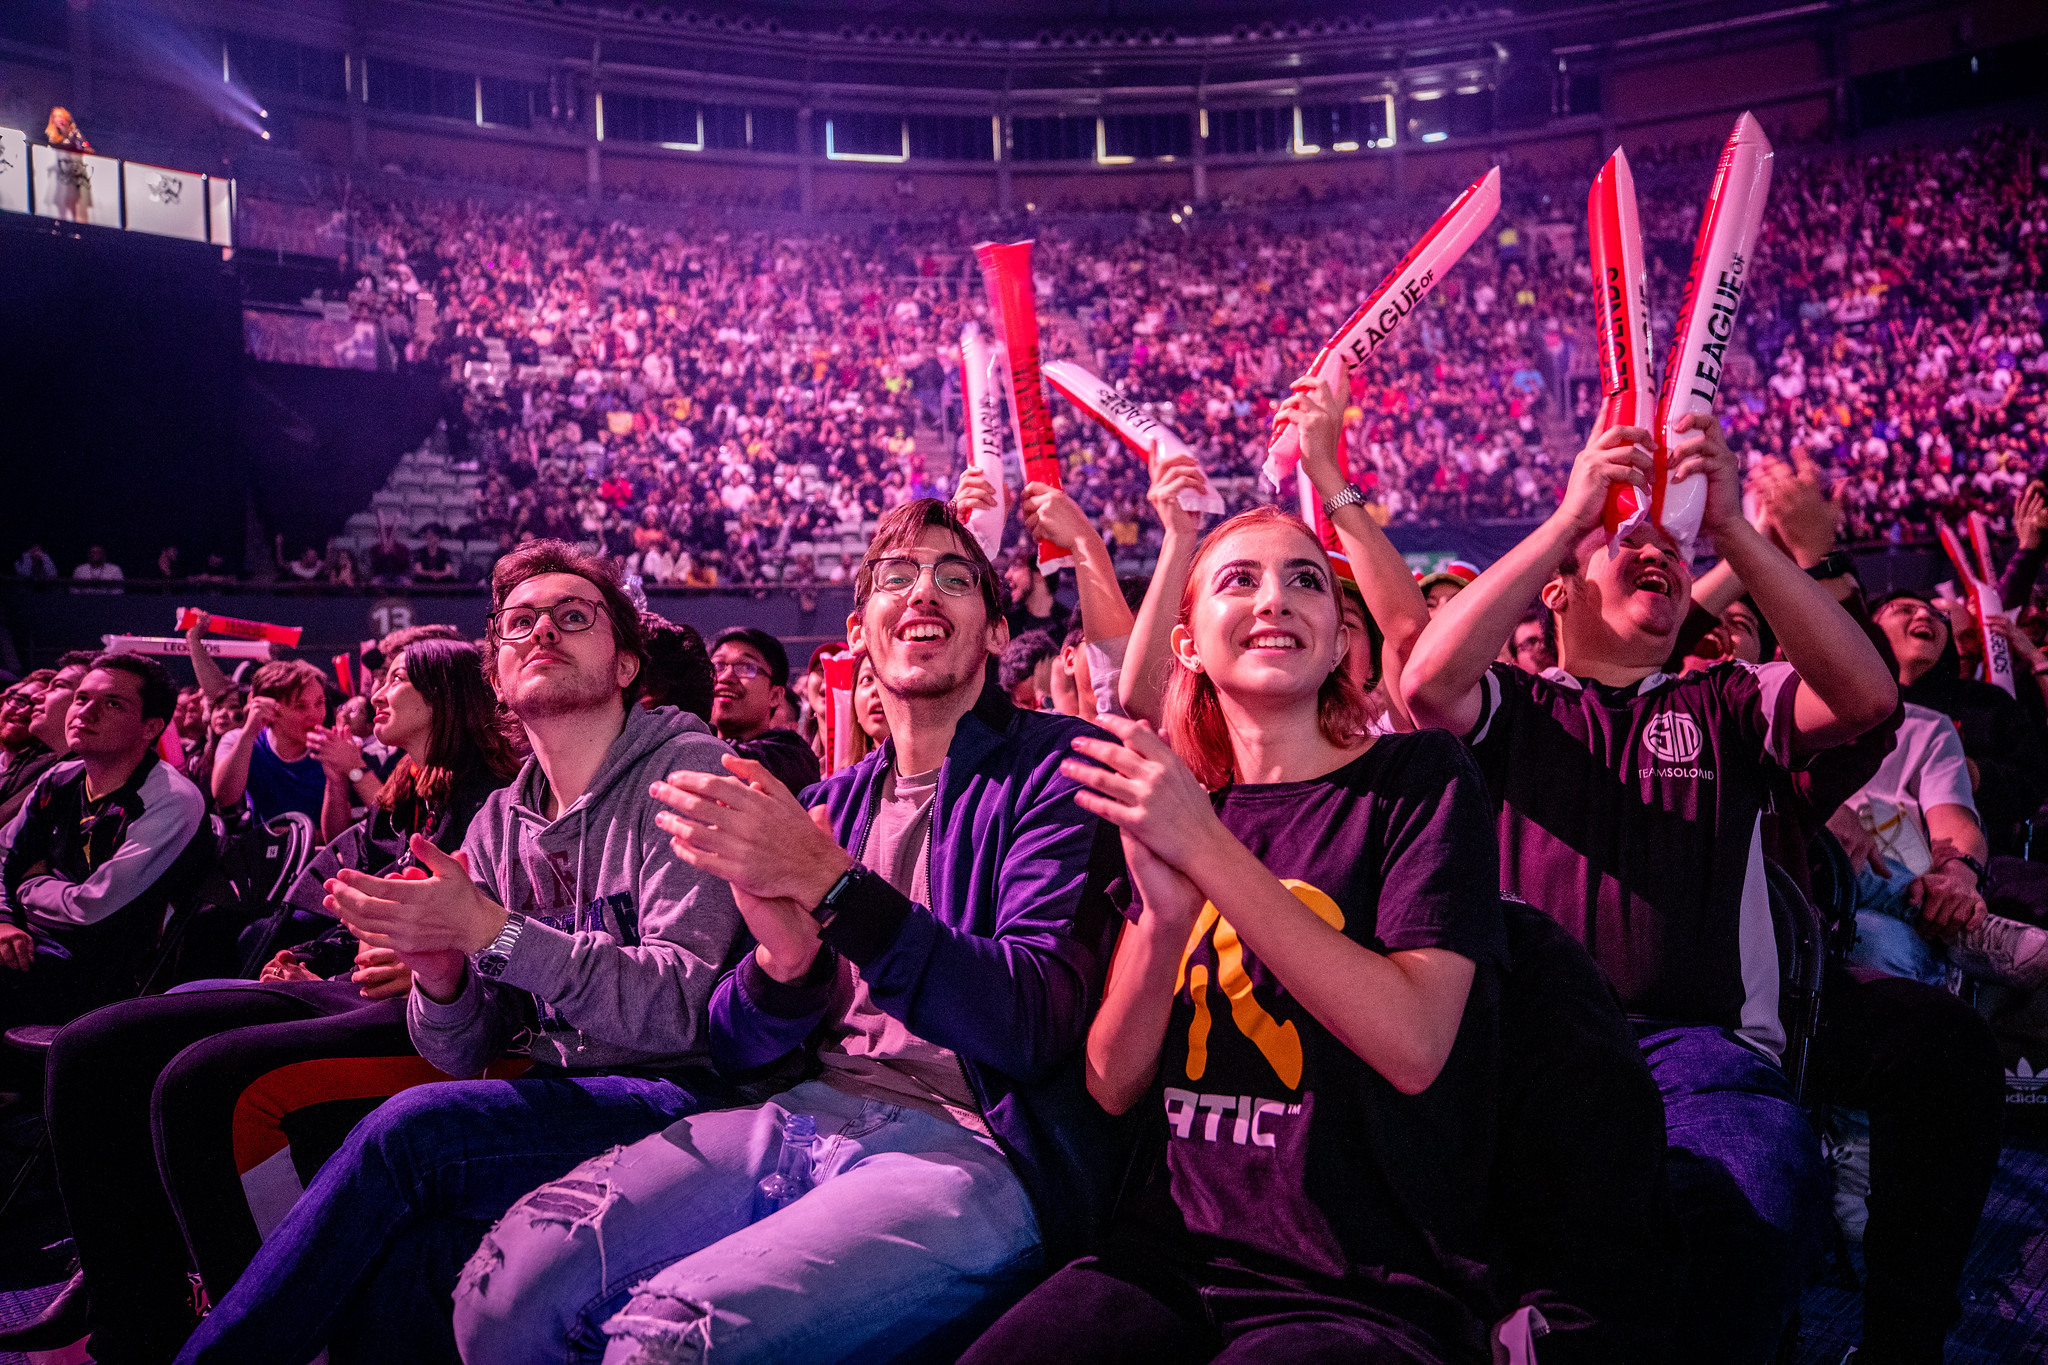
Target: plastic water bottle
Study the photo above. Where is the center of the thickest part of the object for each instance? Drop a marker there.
(792, 1178)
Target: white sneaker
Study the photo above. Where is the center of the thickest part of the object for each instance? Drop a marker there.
(2005, 951)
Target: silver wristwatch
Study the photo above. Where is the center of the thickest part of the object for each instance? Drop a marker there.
(490, 963)
(1350, 495)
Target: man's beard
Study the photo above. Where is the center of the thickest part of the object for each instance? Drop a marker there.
(926, 685)
(553, 698)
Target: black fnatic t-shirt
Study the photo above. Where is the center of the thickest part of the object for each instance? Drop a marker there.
(1282, 1151)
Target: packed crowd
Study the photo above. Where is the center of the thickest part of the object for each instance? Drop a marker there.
(694, 405)
(663, 1046)
(709, 400)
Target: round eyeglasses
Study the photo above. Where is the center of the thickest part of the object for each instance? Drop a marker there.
(952, 575)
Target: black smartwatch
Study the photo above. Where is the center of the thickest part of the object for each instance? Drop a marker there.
(828, 909)
(1838, 564)
(1983, 873)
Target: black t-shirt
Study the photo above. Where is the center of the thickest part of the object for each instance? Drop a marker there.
(1281, 1150)
(1054, 623)
(1632, 816)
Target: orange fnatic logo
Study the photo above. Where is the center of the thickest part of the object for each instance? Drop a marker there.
(1278, 1043)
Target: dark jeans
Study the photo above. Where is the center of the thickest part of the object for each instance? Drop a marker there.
(1748, 1189)
(366, 1262)
(1126, 1307)
(1927, 1069)
(125, 1210)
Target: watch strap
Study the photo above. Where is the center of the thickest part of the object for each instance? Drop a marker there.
(1348, 496)
(1838, 564)
(828, 908)
(490, 963)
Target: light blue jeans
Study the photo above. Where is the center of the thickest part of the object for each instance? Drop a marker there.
(646, 1255)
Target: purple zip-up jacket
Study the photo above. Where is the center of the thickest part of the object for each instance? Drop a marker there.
(1005, 967)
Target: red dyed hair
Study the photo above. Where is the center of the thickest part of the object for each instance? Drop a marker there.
(1195, 725)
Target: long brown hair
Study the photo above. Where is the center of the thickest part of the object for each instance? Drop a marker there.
(1195, 724)
(467, 731)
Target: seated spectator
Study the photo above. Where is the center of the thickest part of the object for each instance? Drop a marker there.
(340, 569)
(97, 569)
(938, 985)
(750, 680)
(266, 765)
(216, 571)
(431, 563)
(1919, 855)
(577, 939)
(306, 568)
(19, 747)
(2006, 756)
(1630, 807)
(1032, 605)
(388, 558)
(1359, 1046)
(167, 566)
(173, 1065)
(48, 727)
(105, 841)
(870, 717)
(1025, 674)
(35, 563)
(1446, 583)
(188, 726)
(1533, 646)
(678, 667)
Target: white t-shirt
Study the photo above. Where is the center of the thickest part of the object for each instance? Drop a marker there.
(1925, 768)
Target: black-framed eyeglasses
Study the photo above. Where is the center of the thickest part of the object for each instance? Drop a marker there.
(571, 615)
(744, 669)
(1910, 607)
(951, 574)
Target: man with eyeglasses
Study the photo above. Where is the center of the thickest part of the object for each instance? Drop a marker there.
(931, 936)
(567, 930)
(750, 678)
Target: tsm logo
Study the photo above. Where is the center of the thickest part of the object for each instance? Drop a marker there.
(1673, 737)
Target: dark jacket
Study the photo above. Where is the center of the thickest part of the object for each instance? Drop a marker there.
(784, 753)
(1005, 968)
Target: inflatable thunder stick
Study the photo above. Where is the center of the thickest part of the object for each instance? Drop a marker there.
(840, 671)
(981, 383)
(288, 636)
(1721, 261)
(1140, 432)
(1392, 301)
(1628, 389)
(1984, 604)
(1013, 304)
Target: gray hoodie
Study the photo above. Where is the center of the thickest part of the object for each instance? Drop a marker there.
(623, 940)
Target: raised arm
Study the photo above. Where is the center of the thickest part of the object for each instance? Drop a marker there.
(212, 681)
(1148, 662)
(1384, 580)
(1442, 681)
(231, 761)
(1844, 686)
(1050, 515)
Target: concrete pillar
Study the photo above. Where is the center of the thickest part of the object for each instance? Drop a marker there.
(593, 155)
(1006, 188)
(358, 111)
(806, 159)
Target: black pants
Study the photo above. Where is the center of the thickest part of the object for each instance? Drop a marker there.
(141, 1099)
(1126, 1307)
(1927, 1069)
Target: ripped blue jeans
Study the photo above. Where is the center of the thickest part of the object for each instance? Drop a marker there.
(647, 1256)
